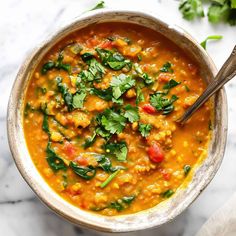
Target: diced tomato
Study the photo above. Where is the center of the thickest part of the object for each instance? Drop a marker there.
(81, 161)
(155, 153)
(164, 77)
(166, 176)
(148, 108)
(106, 44)
(70, 150)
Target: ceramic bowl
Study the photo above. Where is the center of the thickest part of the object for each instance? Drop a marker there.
(167, 210)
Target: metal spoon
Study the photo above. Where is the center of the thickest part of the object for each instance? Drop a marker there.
(226, 73)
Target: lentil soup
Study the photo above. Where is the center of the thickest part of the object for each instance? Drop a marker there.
(100, 118)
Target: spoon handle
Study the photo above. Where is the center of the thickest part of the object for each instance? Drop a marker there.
(226, 73)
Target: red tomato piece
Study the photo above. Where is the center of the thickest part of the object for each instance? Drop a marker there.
(155, 153)
(148, 108)
(69, 149)
(106, 44)
(166, 176)
(81, 161)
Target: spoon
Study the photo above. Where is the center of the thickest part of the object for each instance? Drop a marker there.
(226, 73)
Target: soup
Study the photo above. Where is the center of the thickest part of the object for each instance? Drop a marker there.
(100, 118)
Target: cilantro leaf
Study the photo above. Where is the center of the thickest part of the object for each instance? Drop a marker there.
(139, 95)
(105, 94)
(113, 59)
(161, 103)
(112, 121)
(78, 100)
(144, 129)
(217, 12)
(212, 37)
(167, 68)
(120, 84)
(99, 5)
(119, 150)
(147, 79)
(131, 113)
(191, 9)
(96, 69)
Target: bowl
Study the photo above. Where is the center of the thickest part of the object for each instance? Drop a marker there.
(165, 211)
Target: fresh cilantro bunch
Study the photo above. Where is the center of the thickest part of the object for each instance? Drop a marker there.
(218, 11)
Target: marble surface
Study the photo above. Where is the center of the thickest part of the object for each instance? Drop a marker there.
(24, 23)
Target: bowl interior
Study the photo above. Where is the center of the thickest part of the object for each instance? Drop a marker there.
(168, 209)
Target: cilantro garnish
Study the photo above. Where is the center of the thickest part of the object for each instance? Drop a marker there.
(146, 78)
(131, 113)
(120, 84)
(161, 103)
(191, 9)
(144, 129)
(119, 150)
(78, 100)
(171, 84)
(167, 68)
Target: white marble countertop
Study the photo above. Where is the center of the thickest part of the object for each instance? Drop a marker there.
(24, 23)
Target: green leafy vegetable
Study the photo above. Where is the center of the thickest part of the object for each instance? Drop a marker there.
(47, 66)
(96, 69)
(186, 168)
(45, 125)
(28, 108)
(109, 179)
(113, 59)
(55, 162)
(187, 88)
(212, 37)
(139, 95)
(104, 162)
(119, 150)
(90, 141)
(87, 172)
(146, 78)
(120, 84)
(131, 113)
(105, 94)
(161, 103)
(78, 100)
(191, 9)
(167, 68)
(144, 129)
(167, 193)
(112, 121)
(171, 84)
(99, 5)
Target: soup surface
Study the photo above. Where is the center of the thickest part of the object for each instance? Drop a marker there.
(100, 118)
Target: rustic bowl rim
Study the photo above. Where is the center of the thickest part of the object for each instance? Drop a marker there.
(125, 223)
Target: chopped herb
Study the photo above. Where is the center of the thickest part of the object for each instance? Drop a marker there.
(78, 100)
(87, 172)
(28, 108)
(104, 162)
(171, 84)
(119, 150)
(112, 121)
(167, 193)
(139, 58)
(60, 65)
(87, 56)
(113, 59)
(120, 84)
(147, 79)
(55, 162)
(131, 113)
(99, 5)
(96, 69)
(167, 68)
(47, 66)
(212, 37)
(139, 95)
(161, 103)
(109, 179)
(191, 9)
(144, 129)
(65, 180)
(186, 88)
(186, 168)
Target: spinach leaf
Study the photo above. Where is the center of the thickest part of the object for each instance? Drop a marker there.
(55, 162)
(161, 103)
(105, 94)
(104, 162)
(45, 125)
(112, 121)
(47, 66)
(120, 84)
(171, 84)
(212, 37)
(191, 9)
(131, 113)
(87, 172)
(90, 141)
(119, 150)
(96, 69)
(144, 129)
(60, 65)
(167, 68)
